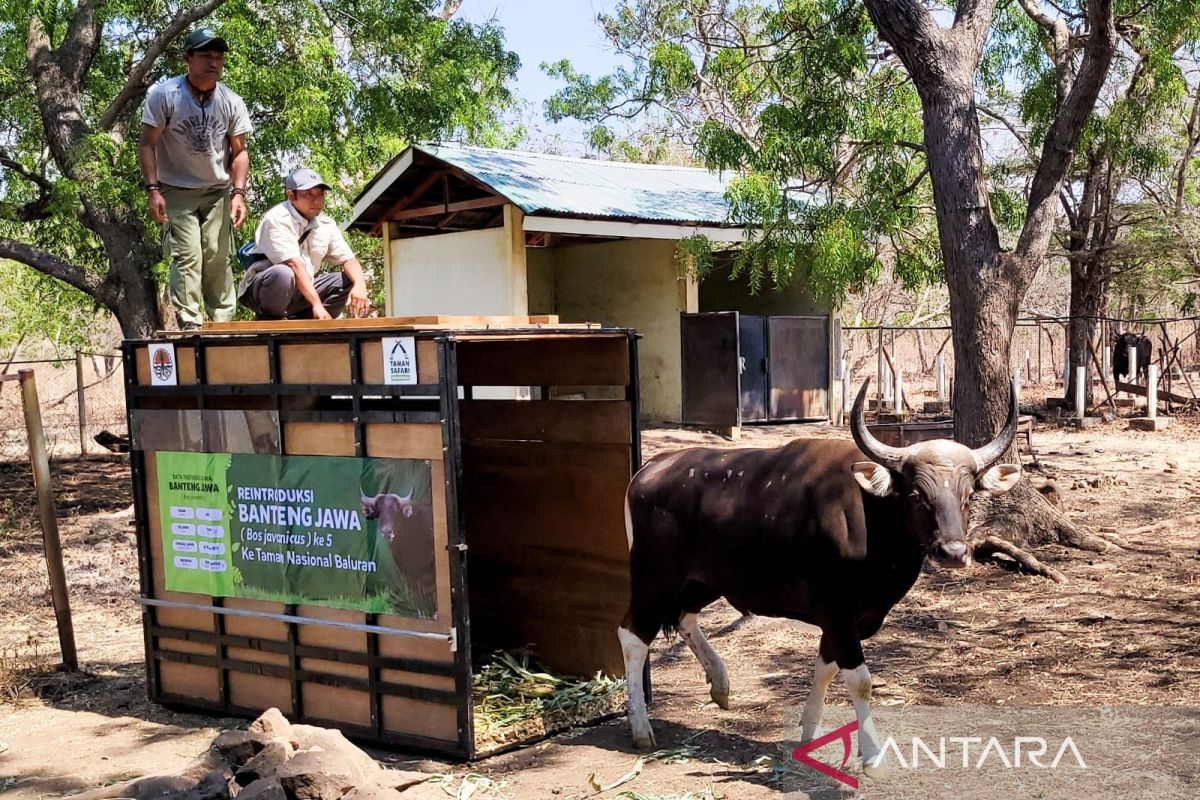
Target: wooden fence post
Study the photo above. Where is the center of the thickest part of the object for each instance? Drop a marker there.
(49, 519)
(82, 403)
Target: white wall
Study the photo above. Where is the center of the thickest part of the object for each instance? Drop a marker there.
(469, 272)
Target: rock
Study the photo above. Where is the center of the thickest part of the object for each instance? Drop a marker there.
(273, 724)
(317, 775)
(213, 786)
(361, 766)
(238, 747)
(263, 789)
(265, 764)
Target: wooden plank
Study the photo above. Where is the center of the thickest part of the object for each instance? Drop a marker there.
(420, 717)
(608, 421)
(189, 680)
(434, 322)
(237, 364)
(319, 438)
(314, 362)
(1133, 388)
(582, 360)
(260, 692)
(371, 355)
(446, 208)
(421, 440)
(548, 559)
(336, 704)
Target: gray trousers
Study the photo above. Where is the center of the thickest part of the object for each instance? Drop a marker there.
(272, 293)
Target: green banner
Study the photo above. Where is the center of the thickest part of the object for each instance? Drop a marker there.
(351, 533)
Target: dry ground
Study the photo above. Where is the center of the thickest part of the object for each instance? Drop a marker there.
(1111, 658)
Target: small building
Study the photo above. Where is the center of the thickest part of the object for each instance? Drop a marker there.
(476, 231)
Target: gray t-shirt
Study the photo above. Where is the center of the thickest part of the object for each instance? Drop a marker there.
(193, 151)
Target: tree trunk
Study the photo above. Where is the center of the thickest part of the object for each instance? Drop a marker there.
(986, 284)
(1089, 293)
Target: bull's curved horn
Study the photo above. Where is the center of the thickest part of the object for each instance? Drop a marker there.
(408, 497)
(363, 494)
(994, 450)
(885, 454)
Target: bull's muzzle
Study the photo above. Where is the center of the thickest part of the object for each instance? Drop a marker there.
(953, 554)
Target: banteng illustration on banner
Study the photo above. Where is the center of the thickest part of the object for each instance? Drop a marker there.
(353, 533)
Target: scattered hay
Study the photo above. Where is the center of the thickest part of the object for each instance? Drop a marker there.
(20, 666)
(515, 699)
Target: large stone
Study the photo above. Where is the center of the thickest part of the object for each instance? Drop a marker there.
(362, 767)
(206, 778)
(263, 789)
(272, 724)
(317, 775)
(1148, 424)
(238, 747)
(265, 764)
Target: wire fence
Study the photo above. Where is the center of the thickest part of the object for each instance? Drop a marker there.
(1038, 350)
(80, 396)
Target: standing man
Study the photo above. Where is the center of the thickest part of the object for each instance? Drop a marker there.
(193, 157)
(292, 242)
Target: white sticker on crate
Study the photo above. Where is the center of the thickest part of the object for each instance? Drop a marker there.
(211, 531)
(209, 565)
(183, 545)
(212, 548)
(183, 529)
(183, 512)
(163, 366)
(400, 360)
(185, 562)
(208, 514)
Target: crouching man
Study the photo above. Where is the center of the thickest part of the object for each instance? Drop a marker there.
(292, 242)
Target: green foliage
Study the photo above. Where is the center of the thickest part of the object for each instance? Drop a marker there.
(823, 127)
(338, 85)
(823, 141)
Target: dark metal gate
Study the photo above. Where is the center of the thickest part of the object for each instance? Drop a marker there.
(741, 368)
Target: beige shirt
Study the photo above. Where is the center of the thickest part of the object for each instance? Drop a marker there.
(277, 239)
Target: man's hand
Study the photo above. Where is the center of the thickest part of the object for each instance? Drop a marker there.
(319, 312)
(237, 210)
(158, 206)
(360, 304)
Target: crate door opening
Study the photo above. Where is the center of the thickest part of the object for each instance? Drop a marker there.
(543, 504)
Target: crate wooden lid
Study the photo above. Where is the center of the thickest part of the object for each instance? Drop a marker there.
(429, 322)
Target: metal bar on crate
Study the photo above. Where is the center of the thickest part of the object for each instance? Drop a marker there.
(324, 623)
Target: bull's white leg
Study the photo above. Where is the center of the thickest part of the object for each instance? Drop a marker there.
(635, 651)
(823, 675)
(714, 667)
(858, 683)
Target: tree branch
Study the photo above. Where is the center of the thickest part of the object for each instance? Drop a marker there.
(36, 209)
(78, 48)
(974, 19)
(50, 264)
(909, 28)
(1063, 137)
(136, 82)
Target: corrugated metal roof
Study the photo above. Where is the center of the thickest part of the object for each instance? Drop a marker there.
(588, 187)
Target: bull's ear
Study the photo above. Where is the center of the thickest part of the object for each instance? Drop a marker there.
(874, 478)
(1000, 478)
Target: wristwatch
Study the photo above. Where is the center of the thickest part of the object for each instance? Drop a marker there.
(153, 187)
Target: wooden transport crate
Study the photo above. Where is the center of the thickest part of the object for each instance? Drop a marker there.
(525, 491)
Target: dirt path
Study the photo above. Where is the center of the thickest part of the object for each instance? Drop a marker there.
(1110, 659)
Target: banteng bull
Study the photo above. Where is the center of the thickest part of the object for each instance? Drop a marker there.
(1143, 348)
(388, 509)
(809, 531)
(408, 529)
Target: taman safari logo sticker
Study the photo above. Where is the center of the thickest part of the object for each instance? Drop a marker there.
(162, 365)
